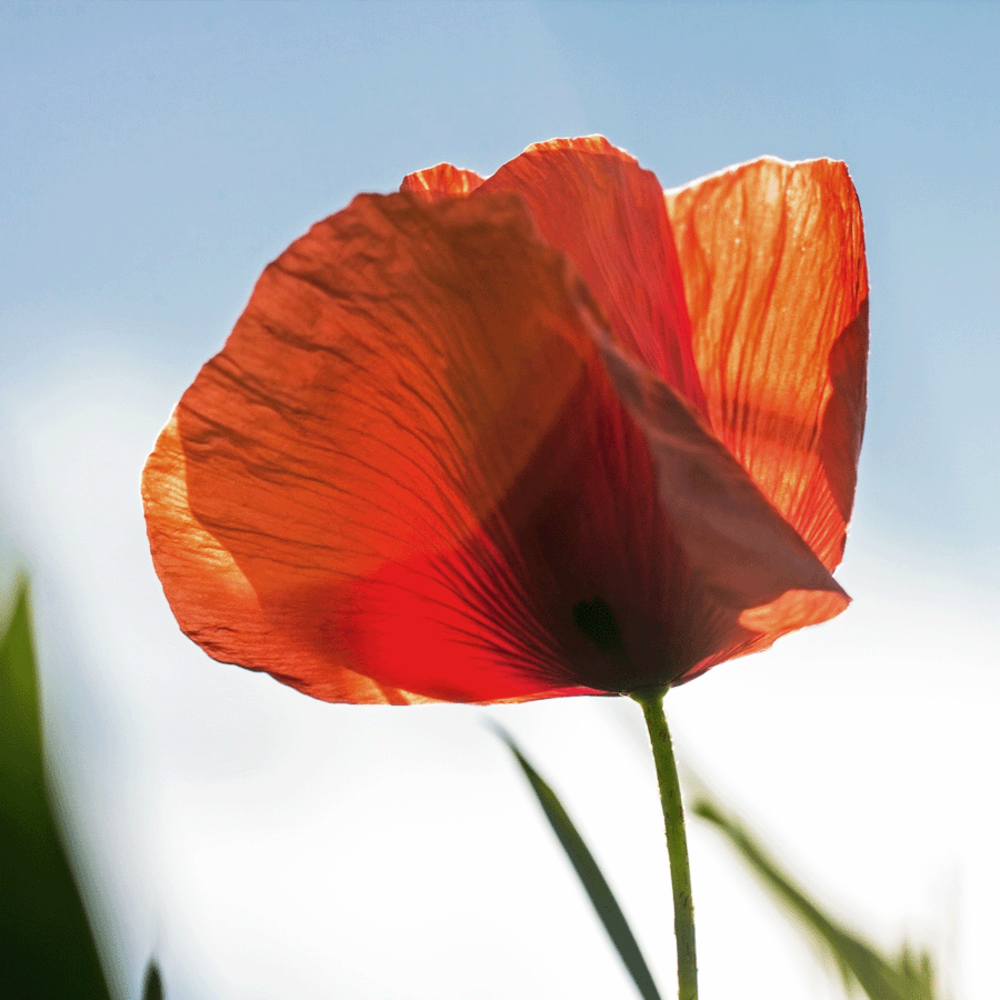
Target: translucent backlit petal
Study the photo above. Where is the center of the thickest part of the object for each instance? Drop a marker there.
(211, 597)
(595, 203)
(776, 284)
(393, 374)
(440, 181)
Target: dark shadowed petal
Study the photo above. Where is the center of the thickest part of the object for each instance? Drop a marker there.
(776, 284)
(324, 503)
(751, 578)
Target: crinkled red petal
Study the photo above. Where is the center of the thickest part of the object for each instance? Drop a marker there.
(776, 283)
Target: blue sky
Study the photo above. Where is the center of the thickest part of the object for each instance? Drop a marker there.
(154, 157)
(158, 154)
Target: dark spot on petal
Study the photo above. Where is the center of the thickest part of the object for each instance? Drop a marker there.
(597, 621)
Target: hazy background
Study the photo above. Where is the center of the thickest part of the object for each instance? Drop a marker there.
(153, 158)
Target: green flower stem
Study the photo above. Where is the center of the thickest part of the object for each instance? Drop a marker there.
(651, 702)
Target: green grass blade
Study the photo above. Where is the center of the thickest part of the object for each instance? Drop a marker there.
(152, 987)
(590, 875)
(909, 976)
(46, 945)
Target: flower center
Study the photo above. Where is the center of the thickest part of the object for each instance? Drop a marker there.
(597, 621)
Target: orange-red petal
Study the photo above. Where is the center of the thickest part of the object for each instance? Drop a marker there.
(441, 181)
(776, 284)
(595, 203)
(213, 599)
(316, 508)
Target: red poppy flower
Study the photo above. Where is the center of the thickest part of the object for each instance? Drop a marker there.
(552, 432)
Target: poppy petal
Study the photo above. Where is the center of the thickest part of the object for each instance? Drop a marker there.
(317, 506)
(752, 578)
(595, 203)
(776, 284)
(213, 600)
(442, 180)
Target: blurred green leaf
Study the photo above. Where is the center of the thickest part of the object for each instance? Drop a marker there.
(590, 875)
(907, 976)
(46, 946)
(152, 988)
